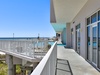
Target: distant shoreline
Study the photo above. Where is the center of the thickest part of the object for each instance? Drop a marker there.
(22, 37)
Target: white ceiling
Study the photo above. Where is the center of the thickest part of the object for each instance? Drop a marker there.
(66, 10)
(63, 12)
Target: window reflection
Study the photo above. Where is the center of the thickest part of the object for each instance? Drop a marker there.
(88, 21)
(88, 42)
(99, 34)
(99, 43)
(94, 37)
(88, 35)
(94, 45)
(78, 38)
(93, 18)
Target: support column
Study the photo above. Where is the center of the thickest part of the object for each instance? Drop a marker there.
(34, 66)
(46, 45)
(10, 65)
(23, 70)
(68, 38)
(14, 69)
(64, 36)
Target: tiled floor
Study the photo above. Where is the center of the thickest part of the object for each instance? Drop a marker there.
(78, 65)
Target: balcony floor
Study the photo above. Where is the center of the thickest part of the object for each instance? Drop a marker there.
(79, 65)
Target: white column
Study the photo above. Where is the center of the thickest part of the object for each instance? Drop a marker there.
(10, 65)
(68, 38)
(34, 66)
(14, 69)
(23, 70)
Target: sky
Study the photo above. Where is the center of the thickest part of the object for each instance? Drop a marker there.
(25, 18)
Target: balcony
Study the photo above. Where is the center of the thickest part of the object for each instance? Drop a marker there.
(67, 62)
(29, 50)
(55, 61)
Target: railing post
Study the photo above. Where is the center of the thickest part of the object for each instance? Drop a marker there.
(10, 65)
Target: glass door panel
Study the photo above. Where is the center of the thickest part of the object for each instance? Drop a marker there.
(94, 45)
(88, 43)
(99, 45)
(78, 40)
(72, 38)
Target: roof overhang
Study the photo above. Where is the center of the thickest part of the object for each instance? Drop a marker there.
(64, 11)
(58, 27)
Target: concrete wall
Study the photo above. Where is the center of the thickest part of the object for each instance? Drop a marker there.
(68, 32)
(90, 7)
(63, 36)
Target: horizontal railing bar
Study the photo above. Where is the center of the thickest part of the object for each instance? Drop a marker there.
(40, 67)
(24, 47)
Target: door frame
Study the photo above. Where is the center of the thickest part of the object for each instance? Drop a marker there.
(91, 41)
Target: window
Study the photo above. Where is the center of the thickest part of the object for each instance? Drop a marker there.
(72, 30)
(88, 21)
(93, 18)
(78, 26)
(78, 38)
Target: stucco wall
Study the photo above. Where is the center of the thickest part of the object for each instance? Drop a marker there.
(68, 32)
(90, 7)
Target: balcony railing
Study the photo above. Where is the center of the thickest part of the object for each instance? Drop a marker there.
(30, 48)
(47, 66)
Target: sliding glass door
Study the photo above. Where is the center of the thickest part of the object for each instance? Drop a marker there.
(78, 39)
(93, 39)
(99, 45)
(94, 44)
(88, 44)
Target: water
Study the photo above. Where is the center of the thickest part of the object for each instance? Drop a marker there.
(27, 38)
(61, 45)
(51, 43)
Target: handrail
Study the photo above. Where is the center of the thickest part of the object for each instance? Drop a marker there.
(47, 65)
(24, 47)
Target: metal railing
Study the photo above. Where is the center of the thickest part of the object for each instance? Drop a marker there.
(24, 47)
(47, 66)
